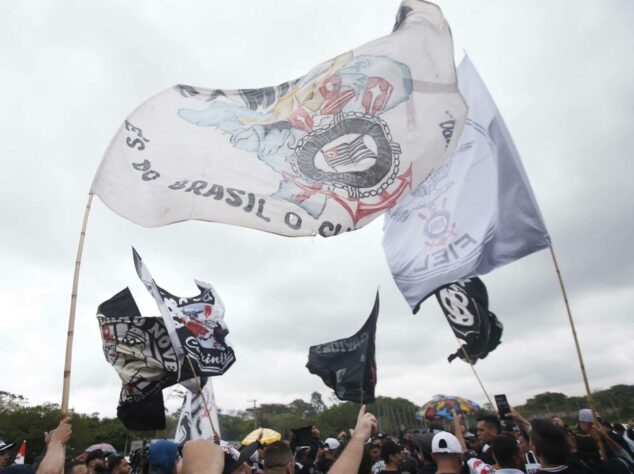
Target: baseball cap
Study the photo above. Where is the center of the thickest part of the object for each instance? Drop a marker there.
(4, 446)
(163, 453)
(446, 443)
(585, 415)
(331, 444)
(235, 458)
(425, 442)
(95, 454)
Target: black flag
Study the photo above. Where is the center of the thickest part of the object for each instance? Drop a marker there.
(348, 365)
(140, 350)
(466, 306)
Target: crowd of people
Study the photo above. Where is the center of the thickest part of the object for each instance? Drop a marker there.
(512, 445)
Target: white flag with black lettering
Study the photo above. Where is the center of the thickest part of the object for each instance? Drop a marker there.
(326, 153)
(474, 214)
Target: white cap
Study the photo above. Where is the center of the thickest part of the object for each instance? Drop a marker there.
(331, 444)
(585, 415)
(447, 443)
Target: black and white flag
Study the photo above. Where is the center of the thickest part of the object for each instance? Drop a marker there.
(140, 350)
(196, 324)
(348, 366)
(199, 416)
(466, 306)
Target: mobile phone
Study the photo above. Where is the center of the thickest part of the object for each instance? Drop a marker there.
(503, 405)
(532, 465)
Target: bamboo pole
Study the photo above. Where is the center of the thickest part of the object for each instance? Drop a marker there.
(580, 357)
(71, 316)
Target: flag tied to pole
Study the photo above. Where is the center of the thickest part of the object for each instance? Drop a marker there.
(196, 412)
(149, 353)
(325, 153)
(348, 366)
(466, 306)
(474, 214)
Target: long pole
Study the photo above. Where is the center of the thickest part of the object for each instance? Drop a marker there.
(71, 316)
(581, 364)
(468, 359)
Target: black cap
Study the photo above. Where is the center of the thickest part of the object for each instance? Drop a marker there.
(95, 454)
(232, 464)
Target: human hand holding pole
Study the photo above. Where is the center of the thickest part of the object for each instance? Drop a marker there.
(53, 461)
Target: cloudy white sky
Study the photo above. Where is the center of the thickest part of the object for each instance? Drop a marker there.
(560, 72)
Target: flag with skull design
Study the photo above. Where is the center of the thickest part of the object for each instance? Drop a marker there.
(465, 304)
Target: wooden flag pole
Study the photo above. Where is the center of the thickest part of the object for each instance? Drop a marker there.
(581, 364)
(71, 316)
(202, 394)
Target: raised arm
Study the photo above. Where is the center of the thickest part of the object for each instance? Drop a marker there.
(53, 461)
(350, 459)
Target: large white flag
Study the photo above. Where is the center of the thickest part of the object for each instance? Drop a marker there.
(325, 153)
(477, 212)
(198, 413)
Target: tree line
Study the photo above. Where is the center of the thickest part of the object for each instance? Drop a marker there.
(20, 421)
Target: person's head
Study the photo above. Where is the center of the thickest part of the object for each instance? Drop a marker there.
(549, 442)
(75, 467)
(425, 447)
(162, 456)
(391, 453)
(585, 420)
(446, 452)
(488, 428)
(524, 441)
(96, 461)
(278, 458)
(4, 458)
(4, 454)
(557, 421)
(118, 464)
(331, 445)
(375, 452)
(506, 452)
(314, 431)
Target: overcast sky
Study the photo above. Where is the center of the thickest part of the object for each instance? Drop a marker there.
(560, 72)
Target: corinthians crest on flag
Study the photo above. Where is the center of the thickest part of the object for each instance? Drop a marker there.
(472, 215)
(322, 154)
